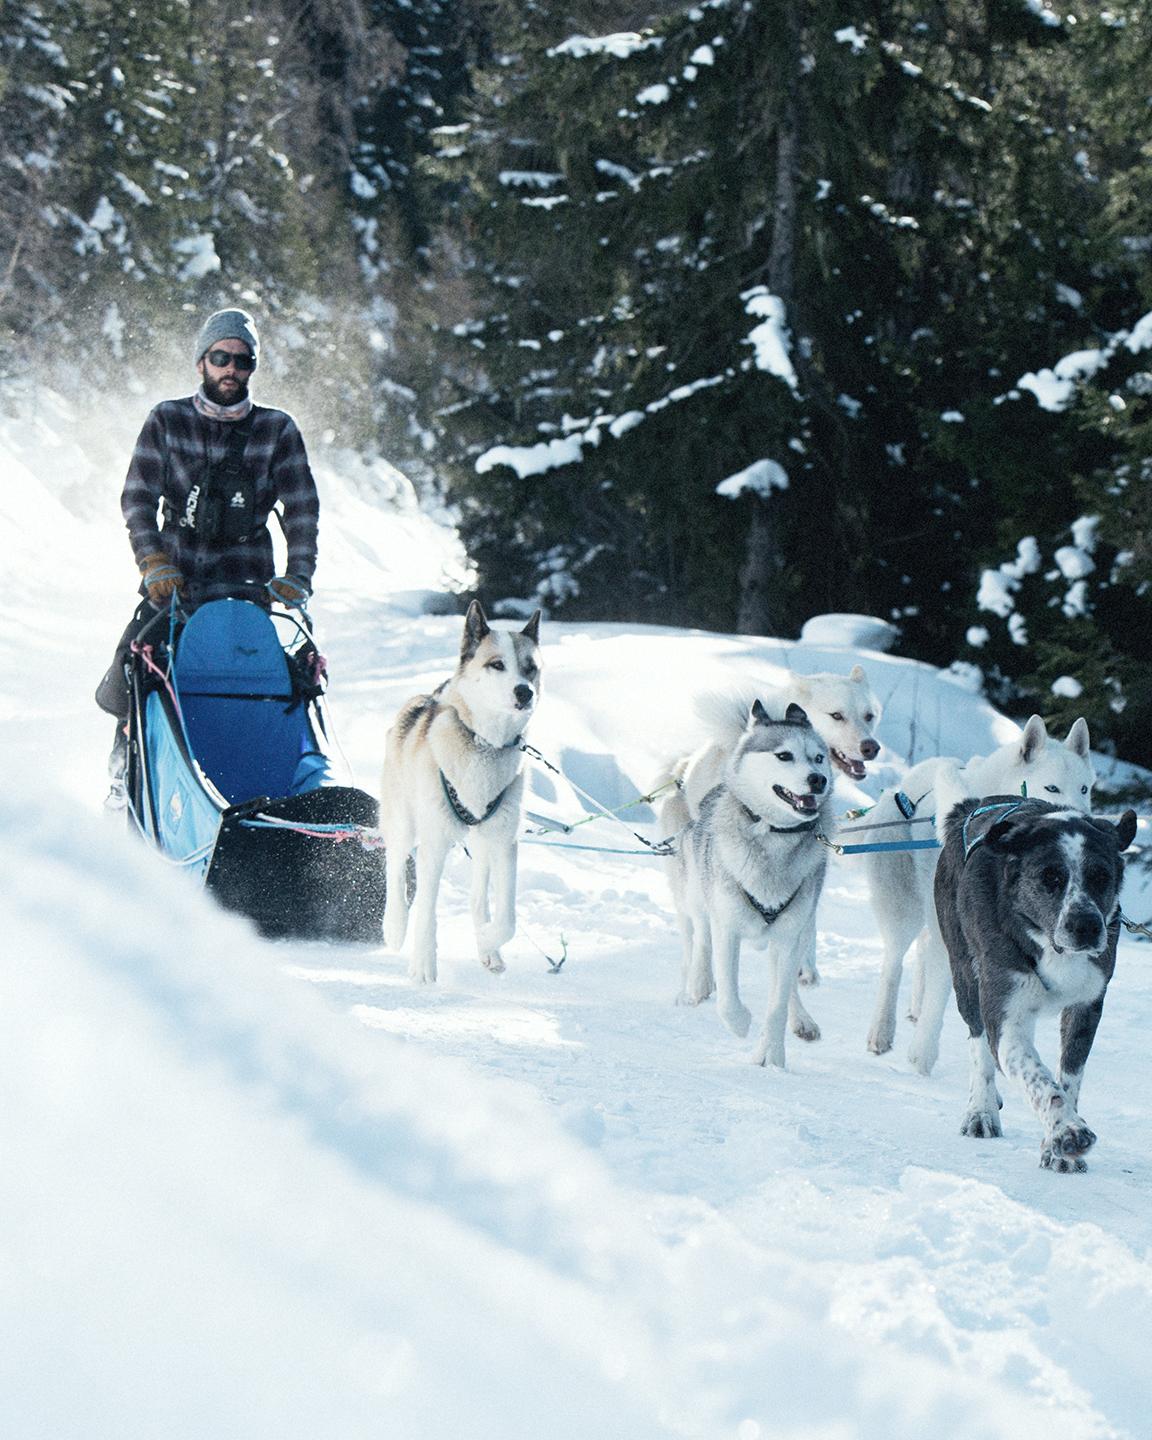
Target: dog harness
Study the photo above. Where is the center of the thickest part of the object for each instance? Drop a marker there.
(456, 805)
(766, 913)
(1001, 809)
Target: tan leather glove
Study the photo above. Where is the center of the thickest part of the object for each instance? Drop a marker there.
(161, 577)
(290, 590)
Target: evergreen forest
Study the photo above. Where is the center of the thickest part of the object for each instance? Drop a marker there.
(722, 315)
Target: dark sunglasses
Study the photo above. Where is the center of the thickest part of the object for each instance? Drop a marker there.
(220, 359)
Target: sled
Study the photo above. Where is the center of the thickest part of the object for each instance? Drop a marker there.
(230, 777)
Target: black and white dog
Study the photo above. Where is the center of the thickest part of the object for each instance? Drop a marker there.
(1027, 895)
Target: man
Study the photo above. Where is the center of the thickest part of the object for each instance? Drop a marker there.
(205, 475)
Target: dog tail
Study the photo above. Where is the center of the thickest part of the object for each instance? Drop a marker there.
(674, 813)
(725, 712)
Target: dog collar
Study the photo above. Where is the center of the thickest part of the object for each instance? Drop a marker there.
(455, 804)
(1007, 807)
(779, 829)
(767, 913)
(517, 742)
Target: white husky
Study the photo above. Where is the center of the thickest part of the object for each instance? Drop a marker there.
(452, 772)
(901, 882)
(750, 867)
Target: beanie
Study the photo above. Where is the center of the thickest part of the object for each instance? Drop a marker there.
(227, 325)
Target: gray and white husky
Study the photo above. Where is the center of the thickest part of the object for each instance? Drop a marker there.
(900, 882)
(844, 712)
(453, 772)
(1028, 899)
(749, 867)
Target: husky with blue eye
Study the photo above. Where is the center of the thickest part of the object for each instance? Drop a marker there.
(749, 868)
(453, 774)
(1028, 899)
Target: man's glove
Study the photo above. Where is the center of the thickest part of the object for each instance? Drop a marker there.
(161, 577)
(290, 590)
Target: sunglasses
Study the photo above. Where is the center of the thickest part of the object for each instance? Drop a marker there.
(221, 359)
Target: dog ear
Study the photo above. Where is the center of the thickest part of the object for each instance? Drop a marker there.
(758, 714)
(1008, 836)
(532, 629)
(795, 715)
(1034, 739)
(1077, 740)
(475, 628)
(1125, 829)
(857, 676)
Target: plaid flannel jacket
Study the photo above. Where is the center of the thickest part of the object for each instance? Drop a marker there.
(175, 447)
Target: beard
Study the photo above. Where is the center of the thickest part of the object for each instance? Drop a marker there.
(230, 391)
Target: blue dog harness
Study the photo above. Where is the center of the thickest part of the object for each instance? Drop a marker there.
(1002, 809)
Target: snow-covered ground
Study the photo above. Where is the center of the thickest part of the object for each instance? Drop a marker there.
(277, 1191)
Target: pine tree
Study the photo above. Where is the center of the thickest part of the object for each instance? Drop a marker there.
(637, 208)
(1066, 632)
(37, 94)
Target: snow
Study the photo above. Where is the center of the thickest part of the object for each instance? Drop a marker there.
(277, 1191)
(620, 46)
(1140, 337)
(1055, 389)
(859, 632)
(532, 459)
(849, 35)
(997, 592)
(759, 478)
(657, 94)
(202, 258)
(771, 339)
(1073, 562)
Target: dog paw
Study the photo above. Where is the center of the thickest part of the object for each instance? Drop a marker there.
(923, 1056)
(423, 972)
(770, 1054)
(737, 1017)
(688, 997)
(493, 961)
(880, 1039)
(981, 1125)
(394, 932)
(809, 975)
(806, 1028)
(1051, 1159)
(1071, 1138)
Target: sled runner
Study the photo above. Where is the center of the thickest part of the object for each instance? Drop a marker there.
(229, 774)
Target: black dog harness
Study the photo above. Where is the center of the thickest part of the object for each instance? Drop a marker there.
(767, 914)
(456, 805)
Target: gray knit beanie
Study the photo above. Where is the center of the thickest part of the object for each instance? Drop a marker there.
(227, 325)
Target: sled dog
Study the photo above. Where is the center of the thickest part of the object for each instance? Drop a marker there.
(1027, 895)
(843, 711)
(749, 867)
(452, 772)
(900, 882)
